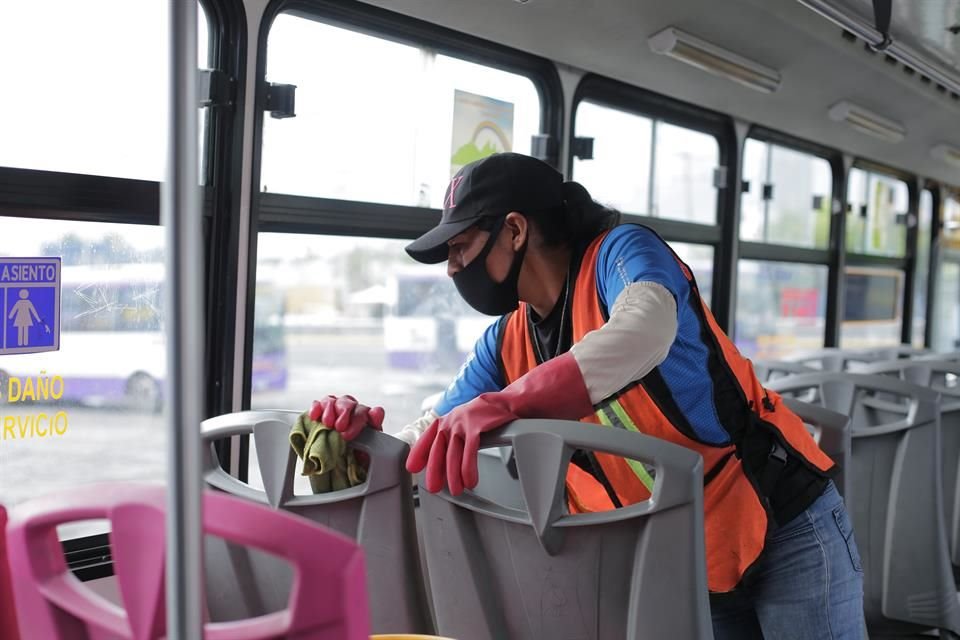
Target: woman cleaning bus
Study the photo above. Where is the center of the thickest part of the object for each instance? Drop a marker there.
(597, 316)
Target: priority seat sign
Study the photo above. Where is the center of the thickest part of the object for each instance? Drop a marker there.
(30, 299)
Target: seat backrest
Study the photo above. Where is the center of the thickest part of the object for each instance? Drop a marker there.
(941, 376)
(377, 514)
(904, 351)
(832, 432)
(639, 572)
(327, 600)
(8, 619)
(771, 369)
(834, 359)
(827, 359)
(932, 355)
(894, 474)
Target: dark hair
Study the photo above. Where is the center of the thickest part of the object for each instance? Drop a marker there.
(580, 220)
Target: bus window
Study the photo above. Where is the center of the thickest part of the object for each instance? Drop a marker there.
(922, 273)
(946, 335)
(679, 185)
(699, 257)
(788, 197)
(619, 173)
(781, 308)
(876, 214)
(380, 121)
(872, 314)
(947, 316)
(111, 362)
(951, 223)
(683, 182)
(358, 316)
(101, 103)
(112, 359)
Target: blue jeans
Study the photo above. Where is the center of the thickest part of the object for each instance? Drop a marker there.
(807, 584)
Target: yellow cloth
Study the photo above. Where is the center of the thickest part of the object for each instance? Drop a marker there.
(327, 461)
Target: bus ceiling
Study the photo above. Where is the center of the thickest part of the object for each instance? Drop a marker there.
(914, 82)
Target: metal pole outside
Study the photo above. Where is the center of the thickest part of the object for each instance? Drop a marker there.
(180, 198)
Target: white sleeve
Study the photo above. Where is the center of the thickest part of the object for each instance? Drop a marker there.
(636, 338)
(412, 432)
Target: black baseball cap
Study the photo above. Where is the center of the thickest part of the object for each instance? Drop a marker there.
(489, 188)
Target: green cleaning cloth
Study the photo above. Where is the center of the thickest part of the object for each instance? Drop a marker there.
(327, 461)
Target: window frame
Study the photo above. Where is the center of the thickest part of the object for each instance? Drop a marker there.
(631, 99)
(828, 256)
(913, 200)
(907, 263)
(754, 250)
(274, 212)
(938, 254)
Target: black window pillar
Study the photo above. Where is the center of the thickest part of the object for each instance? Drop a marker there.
(724, 302)
(838, 237)
(910, 265)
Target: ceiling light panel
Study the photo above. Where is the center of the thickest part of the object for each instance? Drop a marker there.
(709, 57)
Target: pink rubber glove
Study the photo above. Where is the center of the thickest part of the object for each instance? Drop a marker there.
(346, 415)
(448, 448)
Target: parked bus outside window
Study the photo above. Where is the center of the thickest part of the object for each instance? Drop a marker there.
(360, 317)
(112, 358)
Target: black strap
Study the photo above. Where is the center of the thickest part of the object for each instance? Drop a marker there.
(587, 461)
(882, 10)
(717, 468)
(776, 461)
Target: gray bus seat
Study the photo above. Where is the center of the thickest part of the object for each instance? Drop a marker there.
(899, 351)
(832, 432)
(938, 375)
(495, 479)
(378, 514)
(897, 505)
(836, 359)
(945, 355)
(537, 572)
(827, 359)
(772, 369)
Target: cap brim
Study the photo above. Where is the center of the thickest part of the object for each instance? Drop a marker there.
(431, 247)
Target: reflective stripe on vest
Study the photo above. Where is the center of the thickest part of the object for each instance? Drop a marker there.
(611, 414)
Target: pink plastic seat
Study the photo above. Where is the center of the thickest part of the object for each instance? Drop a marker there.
(8, 621)
(328, 599)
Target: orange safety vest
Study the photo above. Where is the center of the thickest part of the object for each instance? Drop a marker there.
(735, 517)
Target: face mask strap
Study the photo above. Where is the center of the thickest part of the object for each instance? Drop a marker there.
(495, 228)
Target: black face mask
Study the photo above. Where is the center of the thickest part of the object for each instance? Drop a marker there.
(479, 289)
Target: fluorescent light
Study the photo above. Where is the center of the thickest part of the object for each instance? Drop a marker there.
(866, 121)
(716, 60)
(946, 153)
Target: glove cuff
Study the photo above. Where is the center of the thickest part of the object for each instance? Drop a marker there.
(554, 389)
